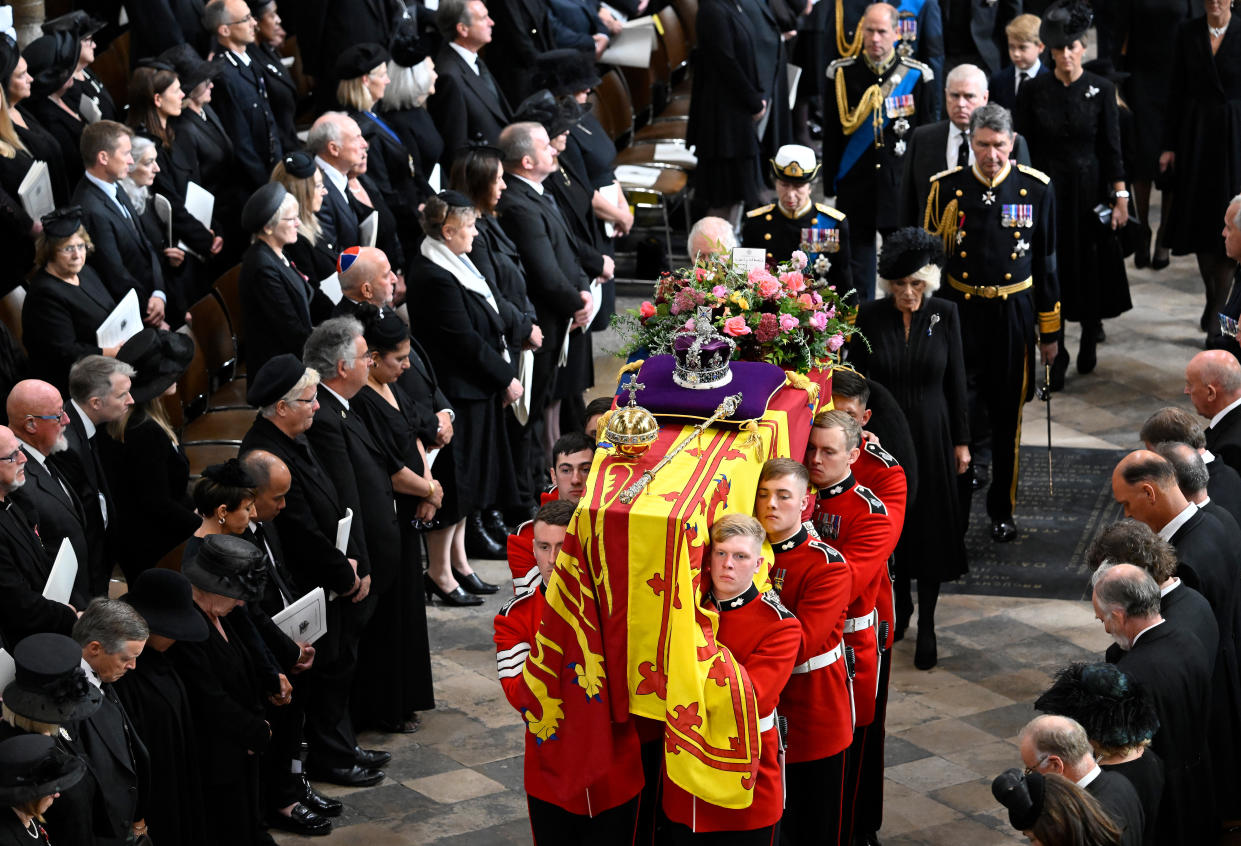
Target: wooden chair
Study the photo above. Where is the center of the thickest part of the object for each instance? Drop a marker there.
(172, 558)
(202, 456)
(687, 11)
(212, 330)
(228, 287)
(11, 313)
(672, 34)
(201, 424)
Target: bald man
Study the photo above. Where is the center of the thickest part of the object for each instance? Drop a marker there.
(1173, 666)
(711, 236)
(1213, 385)
(37, 414)
(365, 277)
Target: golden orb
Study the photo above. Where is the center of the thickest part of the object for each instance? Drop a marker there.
(631, 429)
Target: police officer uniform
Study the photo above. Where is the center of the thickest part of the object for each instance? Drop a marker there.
(1000, 239)
(240, 101)
(878, 105)
(817, 229)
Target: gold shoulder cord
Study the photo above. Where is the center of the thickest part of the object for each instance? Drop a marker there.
(846, 50)
(943, 223)
(868, 107)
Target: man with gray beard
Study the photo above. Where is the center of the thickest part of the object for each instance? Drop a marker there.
(24, 567)
(37, 414)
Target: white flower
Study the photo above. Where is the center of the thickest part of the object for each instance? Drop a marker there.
(1091, 91)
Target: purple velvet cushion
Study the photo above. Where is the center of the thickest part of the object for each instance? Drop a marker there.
(756, 381)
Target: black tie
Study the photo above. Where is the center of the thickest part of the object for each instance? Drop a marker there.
(488, 80)
(963, 151)
(120, 198)
(286, 592)
(555, 207)
(1021, 77)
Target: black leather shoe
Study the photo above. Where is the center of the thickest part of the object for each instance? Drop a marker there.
(373, 758)
(324, 806)
(1003, 531)
(301, 820)
(494, 523)
(457, 597)
(1100, 336)
(354, 776)
(1087, 355)
(980, 474)
(1059, 367)
(926, 653)
(473, 584)
(478, 543)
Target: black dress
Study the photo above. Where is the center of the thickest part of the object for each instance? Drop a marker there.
(926, 374)
(1074, 137)
(159, 707)
(590, 144)
(400, 619)
(13, 833)
(15, 224)
(1203, 128)
(1149, 32)
(44, 147)
(423, 141)
(1145, 773)
(66, 129)
(59, 321)
(228, 719)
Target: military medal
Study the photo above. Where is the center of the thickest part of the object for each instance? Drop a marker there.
(1022, 247)
(827, 525)
(989, 197)
(899, 147)
(777, 578)
(907, 29)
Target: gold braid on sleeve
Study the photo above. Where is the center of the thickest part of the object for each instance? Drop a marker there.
(846, 49)
(942, 223)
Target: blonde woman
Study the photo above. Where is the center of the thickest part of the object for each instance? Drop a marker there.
(309, 253)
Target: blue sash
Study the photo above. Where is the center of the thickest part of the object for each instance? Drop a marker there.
(865, 134)
(384, 127)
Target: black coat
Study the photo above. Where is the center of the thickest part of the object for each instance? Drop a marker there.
(123, 256)
(92, 88)
(121, 766)
(926, 374)
(65, 128)
(337, 218)
(1120, 799)
(312, 509)
(1002, 87)
(282, 588)
(242, 105)
(497, 257)
(463, 106)
(281, 94)
(1175, 670)
(15, 223)
(523, 30)
(58, 515)
(422, 386)
(44, 147)
(330, 25)
(59, 321)
(275, 306)
(390, 166)
(421, 139)
(1224, 487)
(926, 156)
(986, 30)
(317, 262)
(1224, 438)
(156, 701)
(389, 229)
(156, 25)
(178, 167)
(82, 469)
(727, 89)
(24, 568)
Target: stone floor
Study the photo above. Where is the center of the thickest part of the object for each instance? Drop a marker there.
(951, 730)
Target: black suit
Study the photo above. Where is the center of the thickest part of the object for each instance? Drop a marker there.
(307, 526)
(82, 469)
(58, 514)
(119, 761)
(275, 306)
(1224, 487)
(523, 30)
(981, 36)
(1003, 85)
(24, 568)
(240, 100)
(337, 218)
(282, 94)
(59, 322)
(927, 156)
(123, 256)
(1175, 670)
(1224, 439)
(1120, 800)
(463, 105)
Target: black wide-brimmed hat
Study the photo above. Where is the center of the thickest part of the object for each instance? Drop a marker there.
(166, 602)
(33, 766)
(77, 23)
(1022, 794)
(51, 59)
(1064, 22)
(190, 68)
(160, 357)
(229, 566)
(1115, 710)
(50, 685)
(565, 71)
(908, 250)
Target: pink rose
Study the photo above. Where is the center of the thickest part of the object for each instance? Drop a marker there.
(799, 259)
(700, 273)
(769, 288)
(831, 312)
(757, 275)
(720, 291)
(836, 342)
(736, 326)
(806, 302)
(794, 281)
(647, 309)
(788, 322)
(817, 299)
(819, 321)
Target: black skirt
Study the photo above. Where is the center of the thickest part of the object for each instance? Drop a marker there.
(482, 462)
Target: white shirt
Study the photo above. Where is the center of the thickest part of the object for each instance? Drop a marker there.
(1144, 631)
(954, 143)
(1176, 522)
(341, 399)
(1214, 420)
(1173, 584)
(91, 675)
(1090, 776)
(1030, 74)
(243, 57)
(339, 180)
(537, 186)
(87, 423)
(469, 56)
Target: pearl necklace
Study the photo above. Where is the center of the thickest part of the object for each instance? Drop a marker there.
(1217, 32)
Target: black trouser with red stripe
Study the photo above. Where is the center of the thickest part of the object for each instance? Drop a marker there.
(552, 825)
(814, 801)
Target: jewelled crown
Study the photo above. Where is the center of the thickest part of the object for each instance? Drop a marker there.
(702, 357)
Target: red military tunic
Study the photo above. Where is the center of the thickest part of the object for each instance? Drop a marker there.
(883, 474)
(815, 584)
(763, 636)
(515, 629)
(520, 551)
(855, 521)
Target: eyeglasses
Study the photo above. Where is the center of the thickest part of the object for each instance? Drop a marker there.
(70, 249)
(313, 399)
(1042, 760)
(290, 219)
(246, 19)
(61, 416)
(12, 457)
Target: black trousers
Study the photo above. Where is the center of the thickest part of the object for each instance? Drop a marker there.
(868, 805)
(329, 729)
(814, 802)
(281, 786)
(552, 825)
(681, 835)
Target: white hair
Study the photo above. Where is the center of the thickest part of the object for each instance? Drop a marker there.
(962, 71)
(137, 194)
(929, 274)
(711, 235)
(1236, 218)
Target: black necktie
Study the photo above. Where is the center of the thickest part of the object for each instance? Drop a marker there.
(1021, 77)
(555, 207)
(488, 80)
(120, 198)
(963, 151)
(285, 591)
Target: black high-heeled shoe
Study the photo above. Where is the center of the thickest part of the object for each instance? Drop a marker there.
(1142, 255)
(1059, 367)
(1162, 256)
(456, 597)
(926, 653)
(473, 584)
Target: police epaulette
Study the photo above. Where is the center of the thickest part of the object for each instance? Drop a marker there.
(1035, 172)
(839, 63)
(944, 173)
(927, 73)
(824, 208)
(760, 210)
